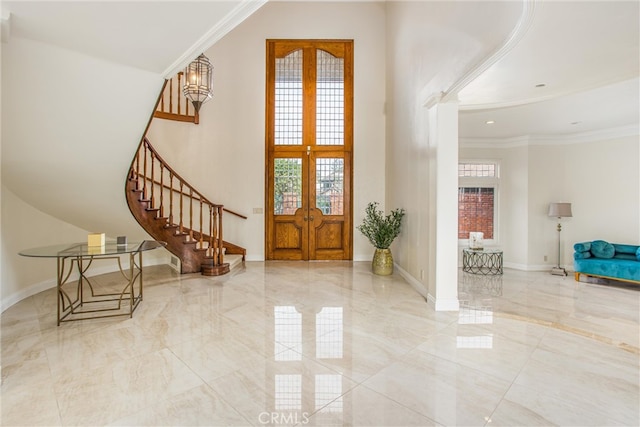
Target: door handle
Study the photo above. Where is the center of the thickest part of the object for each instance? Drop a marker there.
(305, 218)
(311, 218)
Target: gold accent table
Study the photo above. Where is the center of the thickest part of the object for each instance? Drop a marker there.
(87, 303)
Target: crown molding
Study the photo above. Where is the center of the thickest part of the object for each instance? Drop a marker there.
(512, 142)
(566, 139)
(433, 100)
(241, 12)
(583, 137)
(527, 101)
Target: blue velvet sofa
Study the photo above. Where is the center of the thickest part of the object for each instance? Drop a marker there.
(599, 258)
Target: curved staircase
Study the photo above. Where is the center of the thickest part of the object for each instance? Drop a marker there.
(170, 209)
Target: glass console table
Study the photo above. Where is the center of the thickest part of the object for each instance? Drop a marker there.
(482, 261)
(78, 296)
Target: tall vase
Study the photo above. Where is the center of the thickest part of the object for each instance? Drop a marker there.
(382, 264)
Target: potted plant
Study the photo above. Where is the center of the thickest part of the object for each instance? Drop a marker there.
(381, 230)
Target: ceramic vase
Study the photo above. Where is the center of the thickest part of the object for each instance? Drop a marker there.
(382, 264)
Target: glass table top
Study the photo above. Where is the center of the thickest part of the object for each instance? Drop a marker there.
(84, 250)
(485, 250)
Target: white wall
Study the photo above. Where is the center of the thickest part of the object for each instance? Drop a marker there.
(25, 227)
(70, 126)
(69, 133)
(224, 156)
(418, 70)
(513, 204)
(598, 176)
(514, 209)
(600, 179)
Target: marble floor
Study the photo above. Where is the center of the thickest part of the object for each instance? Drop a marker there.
(329, 344)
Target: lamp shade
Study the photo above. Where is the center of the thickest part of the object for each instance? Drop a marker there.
(198, 86)
(560, 210)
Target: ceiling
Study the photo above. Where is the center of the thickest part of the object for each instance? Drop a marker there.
(157, 36)
(585, 53)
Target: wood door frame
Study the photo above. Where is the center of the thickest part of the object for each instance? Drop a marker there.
(276, 48)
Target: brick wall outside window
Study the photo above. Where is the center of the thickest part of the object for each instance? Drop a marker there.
(475, 211)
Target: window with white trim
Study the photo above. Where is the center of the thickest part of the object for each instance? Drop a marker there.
(478, 198)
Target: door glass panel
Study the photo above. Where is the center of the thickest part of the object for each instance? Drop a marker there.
(330, 185)
(329, 99)
(288, 99)
(287, 191)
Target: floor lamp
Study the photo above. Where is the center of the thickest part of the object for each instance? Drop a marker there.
(559, 210)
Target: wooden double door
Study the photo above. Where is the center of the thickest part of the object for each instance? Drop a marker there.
(309, 140)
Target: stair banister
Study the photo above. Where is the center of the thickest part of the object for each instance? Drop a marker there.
(200, 246)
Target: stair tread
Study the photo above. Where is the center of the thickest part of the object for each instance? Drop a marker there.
(233, 260)
(192, 246)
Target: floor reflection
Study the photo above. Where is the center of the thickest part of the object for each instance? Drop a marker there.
(477, 284)
(329, 333)
(299, 388)
(329, 344)
(287, 333)
(476, 293)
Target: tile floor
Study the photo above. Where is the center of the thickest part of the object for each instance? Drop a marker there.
(329, 344)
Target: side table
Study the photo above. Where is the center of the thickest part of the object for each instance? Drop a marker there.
(83, 301)
(482, 261)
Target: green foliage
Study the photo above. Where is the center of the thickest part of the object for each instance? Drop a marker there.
(288, 181)
(381, 229)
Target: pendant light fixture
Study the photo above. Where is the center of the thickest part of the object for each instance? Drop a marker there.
(198, 85)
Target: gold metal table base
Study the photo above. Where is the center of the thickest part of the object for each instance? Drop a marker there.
(87, 303)
(77, 294)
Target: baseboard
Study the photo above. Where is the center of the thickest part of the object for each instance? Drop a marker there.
(534, 267)
(415, 284)
(452, 304)
(516, 266)
(36, 288)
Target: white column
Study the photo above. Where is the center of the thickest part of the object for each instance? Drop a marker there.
(443, 141)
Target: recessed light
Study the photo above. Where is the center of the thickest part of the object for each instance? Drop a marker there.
(490, 122)
(540, 85)
(575, 123)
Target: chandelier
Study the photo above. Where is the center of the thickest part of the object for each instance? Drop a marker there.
(198, 86)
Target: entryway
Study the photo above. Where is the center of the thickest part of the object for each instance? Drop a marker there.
(309, 150)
